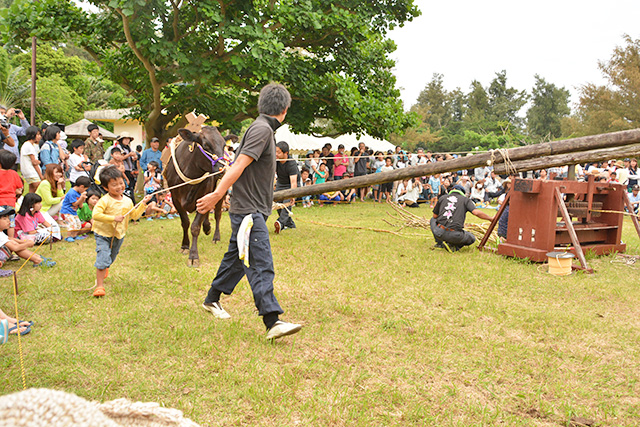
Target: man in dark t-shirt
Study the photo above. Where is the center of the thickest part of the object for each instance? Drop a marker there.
(447, 224)
(288, 177)
(252, 175)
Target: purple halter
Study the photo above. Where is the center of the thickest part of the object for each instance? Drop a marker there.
(213, 162)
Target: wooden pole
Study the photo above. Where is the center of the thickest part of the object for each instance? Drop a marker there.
(536, 152)
(570, 159)
(33, 81)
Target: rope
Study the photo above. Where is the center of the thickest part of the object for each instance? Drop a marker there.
(15, 303)
(510, 169)
(616, 212)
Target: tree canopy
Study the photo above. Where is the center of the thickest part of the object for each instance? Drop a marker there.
(214, 56)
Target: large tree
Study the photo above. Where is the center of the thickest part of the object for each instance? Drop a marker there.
(549, 104)
(615, 106)
(174, 56)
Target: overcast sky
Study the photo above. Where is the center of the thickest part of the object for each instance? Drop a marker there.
(561, 40)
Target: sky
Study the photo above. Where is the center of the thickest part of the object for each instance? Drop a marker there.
(466, 40)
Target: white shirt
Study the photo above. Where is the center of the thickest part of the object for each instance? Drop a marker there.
(26, 167)
(75, 160)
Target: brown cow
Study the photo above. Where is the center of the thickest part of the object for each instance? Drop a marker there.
(196, 155)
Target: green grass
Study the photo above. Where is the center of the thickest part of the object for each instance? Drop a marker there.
(396, 334)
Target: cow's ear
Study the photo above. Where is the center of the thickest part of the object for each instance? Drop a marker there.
(187, 135)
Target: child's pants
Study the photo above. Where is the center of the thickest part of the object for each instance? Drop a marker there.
(107, 249)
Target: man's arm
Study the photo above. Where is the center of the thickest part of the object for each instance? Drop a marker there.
(294, 181)
(208, 202)
(481, 215)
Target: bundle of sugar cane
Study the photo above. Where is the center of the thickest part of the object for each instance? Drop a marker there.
(408, 219)
(479, 230)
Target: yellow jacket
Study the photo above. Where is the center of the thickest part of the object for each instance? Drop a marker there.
(107, 209)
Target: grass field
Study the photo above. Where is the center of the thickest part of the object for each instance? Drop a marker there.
(395, 334)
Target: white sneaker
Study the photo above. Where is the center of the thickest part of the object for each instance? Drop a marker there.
(216, 309)
(281, 329)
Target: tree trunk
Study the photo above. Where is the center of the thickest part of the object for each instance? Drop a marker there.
(536, 152)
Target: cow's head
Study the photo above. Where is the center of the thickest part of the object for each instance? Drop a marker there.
(209, 138)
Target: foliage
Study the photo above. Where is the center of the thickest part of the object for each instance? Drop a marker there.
(56, 101)
(214, 56)
(549, 105)
(615, 106)
(14, 91)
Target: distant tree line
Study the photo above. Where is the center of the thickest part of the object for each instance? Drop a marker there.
(492, 117)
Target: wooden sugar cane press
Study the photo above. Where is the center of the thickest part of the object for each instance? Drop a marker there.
(572, 216)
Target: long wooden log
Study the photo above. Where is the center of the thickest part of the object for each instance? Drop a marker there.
(536, 151)
(569, 159)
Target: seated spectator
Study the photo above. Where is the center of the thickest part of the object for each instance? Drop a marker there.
(12, 325)
(117, 159)
(85, 213)
(73, 201)
(477, 193)
(409, 191)
(330, 198)
(32, 225)
(152, 178)
(465, 183)
(51, 189)
(19, 246)
(493, 187)
(350, 194)
(10, 182)
(160, 209)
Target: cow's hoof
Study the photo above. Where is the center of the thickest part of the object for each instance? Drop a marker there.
(195, 263)
(207, 230)
(184, 251)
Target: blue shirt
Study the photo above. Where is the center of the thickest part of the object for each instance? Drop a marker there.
(49, 153)
(15, 132)
(149, 155)
(70, 198)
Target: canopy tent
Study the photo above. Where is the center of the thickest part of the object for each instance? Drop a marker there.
(304, 143)
(79, 130)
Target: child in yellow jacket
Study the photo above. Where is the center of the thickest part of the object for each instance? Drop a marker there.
(111, 217)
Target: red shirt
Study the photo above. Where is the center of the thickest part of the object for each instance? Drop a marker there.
(9, 182)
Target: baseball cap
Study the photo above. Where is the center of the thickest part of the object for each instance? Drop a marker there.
(6, 210)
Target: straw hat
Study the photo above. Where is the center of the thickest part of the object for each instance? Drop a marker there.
(620, 163)
(124, 135)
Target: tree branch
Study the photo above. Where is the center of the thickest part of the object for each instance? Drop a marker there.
(157, 100)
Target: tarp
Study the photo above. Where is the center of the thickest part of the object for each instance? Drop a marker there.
(305, 143)
(79, 130)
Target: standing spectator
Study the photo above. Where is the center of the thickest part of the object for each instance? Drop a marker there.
(151, 154)
(341, 163)
(321, 175)
(361, 167)
(15, 131)
(288, 175)
(351, 167)
(10, 182)
(129, 158)
(328, 155)
(378, 164)
(78, 162)
(434, 184)
(634, 198)
(51, 152)
(29, 154)
(633, 172)
(94, 148)
(387, 187)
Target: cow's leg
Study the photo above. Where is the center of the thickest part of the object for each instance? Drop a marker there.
(206, 225)
(218, 215)
(194, 259)
(184, 220)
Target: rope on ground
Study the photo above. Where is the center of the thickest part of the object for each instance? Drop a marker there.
(628, 260)
(17, 315)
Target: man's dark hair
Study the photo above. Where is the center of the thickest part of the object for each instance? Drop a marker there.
(84, 181)
(31, 132)
(274, 99)
(7, 159)
(283, 146)
(116, 150)
(139, 148)
(304, 169)
(91, 127)
(328, 146)
(50, 132)
(76, 144)
(108, 174)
